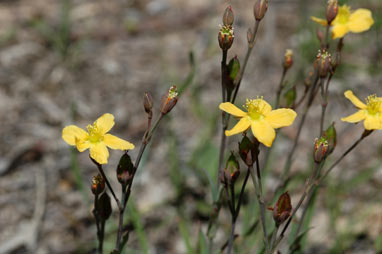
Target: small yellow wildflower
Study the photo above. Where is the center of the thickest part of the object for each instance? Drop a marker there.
(260, 117)
(346, 21)
(371, 112)
(96, 138)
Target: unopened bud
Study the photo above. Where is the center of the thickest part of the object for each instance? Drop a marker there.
(231, 171)
(261, 7)
(282, 209)
(323, 63)
(169, 100)
(288, 59)
(104, 206)
(125, 170)
(321, 147)
(331, 136)
(225, 37)
(331, 10)
(148, 103)
(98, 184)
(228, 16)
(248, 151)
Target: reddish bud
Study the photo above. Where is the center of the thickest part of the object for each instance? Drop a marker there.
(261, 7)
(125, 169)
(288, 59)
(282, 209)
(228, 16)
(331, 11)
(169, 100)
(98, 184)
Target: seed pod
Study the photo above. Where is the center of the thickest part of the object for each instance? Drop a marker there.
(323, 63)
(228, 16)
(104, 206)
(288, 59)
(148, 103)
(282, 209)
(231, 171)
(98, 184)
(169, 100)
(125, 170)
(261, 7)
(320, 149)
(331, 10)
(248, 151)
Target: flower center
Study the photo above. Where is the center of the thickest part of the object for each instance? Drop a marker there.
(95, 136)
(255, 108)
(374, 104)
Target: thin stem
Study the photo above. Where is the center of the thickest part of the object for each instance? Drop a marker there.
(280, 88)
(273, 238)
(100, 241)
(100, 169)
(232, 236)
(242, 193)
(260, 200)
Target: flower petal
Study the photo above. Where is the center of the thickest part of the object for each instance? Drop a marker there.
(339, 31)
(99, 153)
(82, 145)
(241, 126)
(319, 21)
(359, 104)
(232, 109)
(360, 20)
(117, 143)
(104, 123)
(72, 133)
(264, 106)
(373, 122)
(264, 132)
(356, 117)
(281, 117)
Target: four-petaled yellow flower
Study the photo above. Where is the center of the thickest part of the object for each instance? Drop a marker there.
(346, 21)
(96, 138)
(260, 117)
(371, 112)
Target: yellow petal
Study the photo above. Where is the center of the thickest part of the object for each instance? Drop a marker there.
(232, 109)
(99, 153)
(280, 117)
(373, 122)
(72, 133)
(339, 31)
(82, 145)
(319, 21)
(354, 118)
(241, 126)
(359, 104)
(117, 143)
(104, 123)
(360, 20)
(264, 132)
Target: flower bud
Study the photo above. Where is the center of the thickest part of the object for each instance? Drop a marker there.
(261, 7)
(148, 103)
(248, 151)
(231, 171)
(228, 16)
(331, 136)
(125, 170)
(320, 149)
(288, 59)
(104, 206)
(98, 184)
(331, 10)
(282, 209)
(323, 63)
(169, 100)
(225, 37)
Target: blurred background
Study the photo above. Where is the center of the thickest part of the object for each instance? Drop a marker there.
(69, 61)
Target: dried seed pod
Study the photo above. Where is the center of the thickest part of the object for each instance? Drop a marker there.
(148, 103)
(282, 209)
(288, 59)
(248, 151)
(169, 100)
(225, 37)
(125, 170)
(98, 184)
(231, 171)
(321, 148)
(331, 10)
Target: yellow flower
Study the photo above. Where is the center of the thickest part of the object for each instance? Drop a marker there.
(260, 117)
(371, 112)
(346, 21)
(96, 138)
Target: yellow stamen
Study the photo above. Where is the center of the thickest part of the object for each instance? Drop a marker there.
(374, 104)
(255, 108)
(95, 135)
